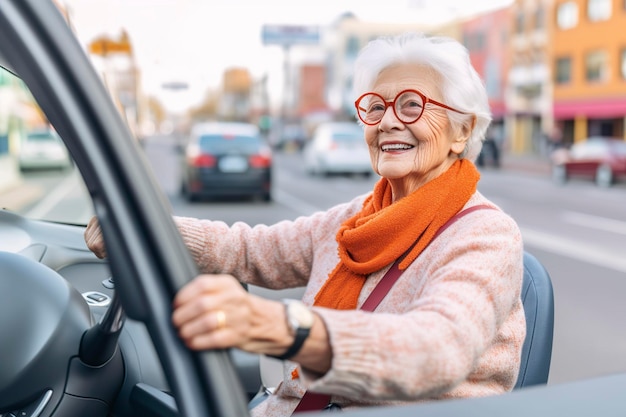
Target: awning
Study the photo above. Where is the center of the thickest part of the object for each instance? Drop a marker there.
(596, 109)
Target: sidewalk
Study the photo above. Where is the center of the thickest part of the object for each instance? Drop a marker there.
(527, 163)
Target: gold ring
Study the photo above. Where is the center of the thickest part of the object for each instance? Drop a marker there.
(221, 319)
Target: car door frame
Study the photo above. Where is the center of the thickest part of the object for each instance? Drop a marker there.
(147, 254)
(145, 251)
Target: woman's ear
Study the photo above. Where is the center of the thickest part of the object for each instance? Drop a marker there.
(460, 143)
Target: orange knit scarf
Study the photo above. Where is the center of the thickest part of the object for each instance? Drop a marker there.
(381, 232)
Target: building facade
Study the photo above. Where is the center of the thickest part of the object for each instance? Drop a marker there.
(343, 43)
(589, 67)
(529, 83)
(486, 37)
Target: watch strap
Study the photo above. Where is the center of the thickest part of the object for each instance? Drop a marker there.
(300, 337)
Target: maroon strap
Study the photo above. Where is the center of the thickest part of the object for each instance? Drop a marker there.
(392, 275)
(314, 402)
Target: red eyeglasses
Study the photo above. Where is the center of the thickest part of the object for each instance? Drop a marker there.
(408, 106)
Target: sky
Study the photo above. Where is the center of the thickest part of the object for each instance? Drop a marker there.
(193, 41)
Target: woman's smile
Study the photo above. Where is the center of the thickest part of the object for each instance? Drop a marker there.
(395, 147)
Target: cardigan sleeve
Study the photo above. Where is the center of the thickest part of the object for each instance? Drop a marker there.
(452, 325)
(277, 256)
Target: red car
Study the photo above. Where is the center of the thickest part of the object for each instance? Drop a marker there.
(602, 159)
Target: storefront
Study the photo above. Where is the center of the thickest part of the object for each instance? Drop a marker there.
(579, 119)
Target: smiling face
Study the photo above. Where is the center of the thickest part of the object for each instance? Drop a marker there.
(411, 155)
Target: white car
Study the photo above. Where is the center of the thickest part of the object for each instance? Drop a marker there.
(43, 149)
(337, 148)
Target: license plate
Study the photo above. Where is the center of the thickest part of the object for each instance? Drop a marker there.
(233, 164)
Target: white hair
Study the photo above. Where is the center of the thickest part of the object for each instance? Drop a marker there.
(461, 88)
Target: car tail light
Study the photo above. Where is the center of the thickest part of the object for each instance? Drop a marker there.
(260, 160)
(203, 161)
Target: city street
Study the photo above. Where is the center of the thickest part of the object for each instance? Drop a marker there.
(578, 231)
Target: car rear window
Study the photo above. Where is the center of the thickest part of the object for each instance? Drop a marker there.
(222, 144)
(43, 137)
(347, 137)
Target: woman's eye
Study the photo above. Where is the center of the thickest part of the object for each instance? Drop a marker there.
(412, 103)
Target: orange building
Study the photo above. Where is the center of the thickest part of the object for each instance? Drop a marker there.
(589, 68)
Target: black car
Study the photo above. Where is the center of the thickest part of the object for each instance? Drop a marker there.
(83, 336)
(226, 159)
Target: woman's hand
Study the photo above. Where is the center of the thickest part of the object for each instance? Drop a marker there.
(93, 238)
(215, 311)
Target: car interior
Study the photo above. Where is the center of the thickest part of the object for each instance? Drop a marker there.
(92, 337)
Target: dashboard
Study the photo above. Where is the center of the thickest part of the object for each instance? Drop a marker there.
(62, 248)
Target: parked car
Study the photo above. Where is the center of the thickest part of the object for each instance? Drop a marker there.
(226, 159)
(337, 148)
(89, 337)
(598, 158)
(43, 149)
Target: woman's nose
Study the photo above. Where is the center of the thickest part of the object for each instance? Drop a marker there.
(389, 120)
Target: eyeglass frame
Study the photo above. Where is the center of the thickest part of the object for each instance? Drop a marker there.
(392, 104)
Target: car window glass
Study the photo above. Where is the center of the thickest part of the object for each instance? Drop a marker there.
(221, 144)
(348, 137)
(620, 148)
(589, 149)
(38, 177)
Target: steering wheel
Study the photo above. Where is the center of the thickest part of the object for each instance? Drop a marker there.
(54, 359)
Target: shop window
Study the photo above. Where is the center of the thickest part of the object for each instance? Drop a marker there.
(567, 15)
(599, 10)
(596, 68)
(563, 70)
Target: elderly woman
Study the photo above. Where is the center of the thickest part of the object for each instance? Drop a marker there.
(452, 324)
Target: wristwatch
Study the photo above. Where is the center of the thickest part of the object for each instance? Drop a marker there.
(299, 322)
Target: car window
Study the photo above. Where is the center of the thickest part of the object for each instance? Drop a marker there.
(590, 149)
(45, 136)
(221, 144)
(37, 175)
(619, 148)
(348, 137)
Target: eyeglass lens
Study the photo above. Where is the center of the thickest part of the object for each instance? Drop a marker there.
(408, 107)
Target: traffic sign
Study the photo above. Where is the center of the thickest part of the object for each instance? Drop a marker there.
(290, 35)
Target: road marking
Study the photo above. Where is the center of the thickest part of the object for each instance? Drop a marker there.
(294, 203)
(550, 243)
(595, 222)
(47, 204)
(573, 249)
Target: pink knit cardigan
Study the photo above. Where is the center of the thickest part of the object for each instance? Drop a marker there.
(452, 326)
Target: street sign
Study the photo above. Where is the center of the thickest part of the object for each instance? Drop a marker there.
(175, 85)
(290, 35)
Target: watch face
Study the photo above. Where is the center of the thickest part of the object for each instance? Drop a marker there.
(300, 316)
